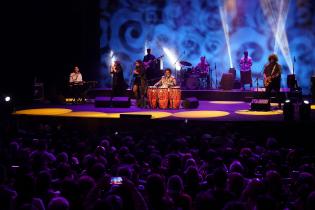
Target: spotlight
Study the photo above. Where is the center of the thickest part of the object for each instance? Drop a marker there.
(6, 106)
(288, 110)
(7, 99)
(305, 110)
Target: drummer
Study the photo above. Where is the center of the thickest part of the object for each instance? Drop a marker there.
(203, 66)
(167, 80)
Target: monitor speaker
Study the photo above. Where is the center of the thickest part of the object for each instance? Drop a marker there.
(121, 102)
(190, 103)
(102, 101)
(260, 105)
(135, 116)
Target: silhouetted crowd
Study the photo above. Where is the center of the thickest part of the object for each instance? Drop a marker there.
(52, 167)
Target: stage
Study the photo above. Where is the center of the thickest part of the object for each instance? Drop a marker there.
(231, 111)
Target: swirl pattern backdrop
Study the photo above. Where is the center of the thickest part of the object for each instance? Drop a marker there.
(194, 28)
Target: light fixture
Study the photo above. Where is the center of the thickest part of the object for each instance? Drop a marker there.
(7, 99)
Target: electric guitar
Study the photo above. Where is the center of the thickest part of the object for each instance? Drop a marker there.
(269, 79)
(147, 64)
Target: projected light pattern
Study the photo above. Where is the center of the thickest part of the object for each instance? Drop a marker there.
(194, 28)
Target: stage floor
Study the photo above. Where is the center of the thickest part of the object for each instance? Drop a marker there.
(237, 111)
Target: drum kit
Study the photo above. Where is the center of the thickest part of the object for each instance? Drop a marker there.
(164, 98)
(193, 78)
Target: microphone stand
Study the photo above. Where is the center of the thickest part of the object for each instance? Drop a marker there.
(210, 77)
(178, 59)
(295, 81)
(216, 75)
(293, 64)
(257, 84)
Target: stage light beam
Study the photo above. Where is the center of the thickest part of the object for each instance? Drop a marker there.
(172, 57)
(112, 57)
(225, 26)
(276, 14)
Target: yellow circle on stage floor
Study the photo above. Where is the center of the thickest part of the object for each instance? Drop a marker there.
(86, 114)
(312, 106)
(43, 111)
(226, 102)
(201, 114)
(155, 115)
(259, 113)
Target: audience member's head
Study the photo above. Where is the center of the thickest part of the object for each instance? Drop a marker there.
(58, 203)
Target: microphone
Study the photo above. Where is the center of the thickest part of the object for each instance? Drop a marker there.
(215, 66)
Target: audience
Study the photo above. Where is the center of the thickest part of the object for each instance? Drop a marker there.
(53, 167)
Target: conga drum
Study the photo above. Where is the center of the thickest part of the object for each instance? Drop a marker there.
(175, 97)
(152, 96)
(163, 97)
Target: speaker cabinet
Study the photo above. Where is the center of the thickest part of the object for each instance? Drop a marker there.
(227, 81)
(291, 82)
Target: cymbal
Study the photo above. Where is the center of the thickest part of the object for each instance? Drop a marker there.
(185, 63)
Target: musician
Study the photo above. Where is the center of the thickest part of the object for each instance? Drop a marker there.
(140, 83)
(202, 68)
(148, 56)
(76, 76)
(272, 76)
(118, 85)
(246, 71)
(151, 66)
(167, 80)
(76, 85)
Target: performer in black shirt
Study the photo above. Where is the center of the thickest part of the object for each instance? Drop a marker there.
(140, 83)
(119, 85)
(272, 76)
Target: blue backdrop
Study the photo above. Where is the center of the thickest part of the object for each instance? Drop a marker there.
(193, 28)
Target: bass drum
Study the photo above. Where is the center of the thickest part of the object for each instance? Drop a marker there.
(192, 82)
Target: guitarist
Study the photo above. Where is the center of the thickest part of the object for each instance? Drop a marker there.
(150, 65)
(148, 57)
(272, 76)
